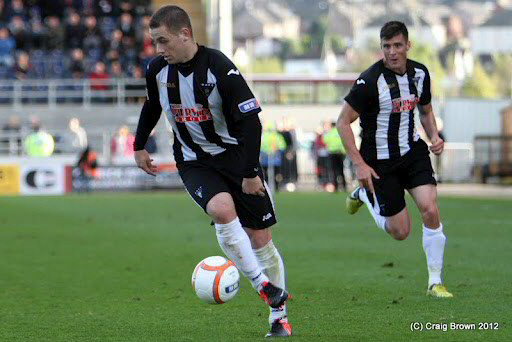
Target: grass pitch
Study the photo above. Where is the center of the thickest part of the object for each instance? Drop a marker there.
(117, 267)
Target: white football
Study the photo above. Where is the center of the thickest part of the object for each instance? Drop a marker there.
(216, 280)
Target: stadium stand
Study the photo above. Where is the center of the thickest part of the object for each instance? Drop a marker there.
(48, 31)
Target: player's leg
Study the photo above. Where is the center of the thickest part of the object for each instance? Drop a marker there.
(257, 216)
(421, 185)
(210, 191)
(387, 205)
(233, 240)
(434, 240)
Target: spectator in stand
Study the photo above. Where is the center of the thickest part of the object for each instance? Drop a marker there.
(7, 48)
(272, 150)
(37, 33)
(116, 71)
(77, 136)
(322, 156)
(20, 32)
(116, 40)
(18, 9)
(112, 56)
(289, 166)
(93, 41)
(99, 83)
(336, 152)
(77, 63)
(3, 11)
(129, 52)
(39, 143)
(74, 31)
(77, 69)
(126, 25)
(23, 66)
(55, 34)
(122, 142)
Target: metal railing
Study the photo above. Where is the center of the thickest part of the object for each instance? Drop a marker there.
(271, 89)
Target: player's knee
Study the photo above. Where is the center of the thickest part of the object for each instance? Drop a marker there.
(430, 213)
(400, 232)
(260, 238)
(221, 210)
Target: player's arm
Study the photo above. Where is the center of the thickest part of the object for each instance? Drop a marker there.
(364, 172)
(428, 121)
(427, 117)
(240, 104)
(149, 116)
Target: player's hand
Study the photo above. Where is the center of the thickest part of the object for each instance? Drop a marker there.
(145, 162)
(364, 174)
(437, 146)
(253, 186)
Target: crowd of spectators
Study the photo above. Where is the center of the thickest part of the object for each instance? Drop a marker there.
(67, 39)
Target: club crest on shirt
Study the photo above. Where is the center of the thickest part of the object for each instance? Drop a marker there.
(208, 88)
(199, 192)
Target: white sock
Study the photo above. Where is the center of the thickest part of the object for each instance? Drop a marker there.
(237, 246)
(374, 210)
(434, 242)
(272, 265)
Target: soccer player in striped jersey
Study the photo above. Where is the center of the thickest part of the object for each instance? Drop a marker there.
(392, 157)
(217, 137)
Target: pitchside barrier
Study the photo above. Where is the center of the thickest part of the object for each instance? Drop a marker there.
(58, 174)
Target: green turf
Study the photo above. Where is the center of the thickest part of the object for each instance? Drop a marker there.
(117, 267)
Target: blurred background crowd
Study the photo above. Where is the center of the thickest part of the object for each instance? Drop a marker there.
(74, 38)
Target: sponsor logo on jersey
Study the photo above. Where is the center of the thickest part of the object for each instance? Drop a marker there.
(234, 72)
(198, 114)
(248, 105)
(400, 105)
(169, 84)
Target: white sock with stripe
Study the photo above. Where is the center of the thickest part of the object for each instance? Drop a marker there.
(237, 246)
(380, 220)
(272, 265)
(434, 242)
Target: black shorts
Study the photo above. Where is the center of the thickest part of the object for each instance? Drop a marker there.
(222, 173)
(411, 170)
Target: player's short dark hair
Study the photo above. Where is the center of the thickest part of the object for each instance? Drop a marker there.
(392, 29)
(173, 17)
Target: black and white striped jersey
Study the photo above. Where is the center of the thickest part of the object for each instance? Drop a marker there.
(385, 102)
(203, 100)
